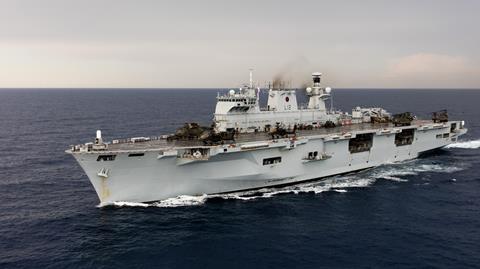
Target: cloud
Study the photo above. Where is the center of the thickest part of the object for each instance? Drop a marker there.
(432, 70)
(424, 63)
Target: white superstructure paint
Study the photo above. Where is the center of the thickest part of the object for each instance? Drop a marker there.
(240, 110)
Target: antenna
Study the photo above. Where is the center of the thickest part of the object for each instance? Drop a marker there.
(331, 103)
(251, 78)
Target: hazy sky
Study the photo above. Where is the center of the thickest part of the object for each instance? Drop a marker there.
(119, 43)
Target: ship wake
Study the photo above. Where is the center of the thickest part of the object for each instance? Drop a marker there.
(472, 144)
(398, 172)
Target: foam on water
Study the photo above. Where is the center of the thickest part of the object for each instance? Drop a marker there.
(340, 190)
(392, 172)
(122, 204)
(182, 200)
(472, 144)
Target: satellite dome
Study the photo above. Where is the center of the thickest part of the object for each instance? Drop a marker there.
(309, 90)
(231, 92)
(328, 90)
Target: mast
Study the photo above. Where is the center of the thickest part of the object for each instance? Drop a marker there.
(317, 94)
(251, 78)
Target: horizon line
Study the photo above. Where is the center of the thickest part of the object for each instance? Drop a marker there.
(225, 88)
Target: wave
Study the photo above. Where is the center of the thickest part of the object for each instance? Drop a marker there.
(472, 144)
(341, 184)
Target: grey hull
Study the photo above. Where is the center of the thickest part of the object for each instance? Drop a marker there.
(157, 174)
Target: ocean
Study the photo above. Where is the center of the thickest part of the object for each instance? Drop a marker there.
(423, 213)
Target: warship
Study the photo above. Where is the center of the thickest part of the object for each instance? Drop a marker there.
(250, 147)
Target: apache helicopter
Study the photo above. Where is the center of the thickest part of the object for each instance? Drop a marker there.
(280, 131)
(189, 131)
(403, 119)
(440, 116)
(193, 131)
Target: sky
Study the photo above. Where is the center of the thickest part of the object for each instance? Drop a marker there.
(213, 44)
